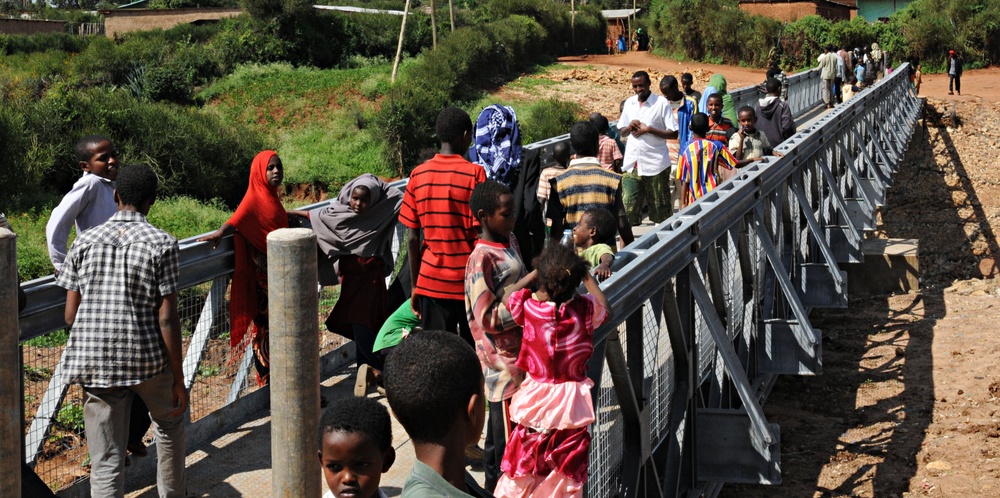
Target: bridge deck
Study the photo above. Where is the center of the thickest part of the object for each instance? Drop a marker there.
(239, 463)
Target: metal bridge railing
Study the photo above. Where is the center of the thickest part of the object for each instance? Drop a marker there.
(669, 369)
(714, 303)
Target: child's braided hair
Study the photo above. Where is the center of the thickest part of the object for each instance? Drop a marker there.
(560, 271)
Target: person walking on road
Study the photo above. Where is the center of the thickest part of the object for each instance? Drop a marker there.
(828, 73)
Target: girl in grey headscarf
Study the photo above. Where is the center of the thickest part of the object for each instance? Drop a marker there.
(354, 233)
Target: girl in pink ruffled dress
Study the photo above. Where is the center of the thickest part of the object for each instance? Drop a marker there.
(547, 452)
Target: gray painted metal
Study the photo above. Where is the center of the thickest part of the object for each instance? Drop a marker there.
(709, 307)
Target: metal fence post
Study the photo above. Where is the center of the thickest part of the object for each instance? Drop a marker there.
(292, 308)
(10, 366)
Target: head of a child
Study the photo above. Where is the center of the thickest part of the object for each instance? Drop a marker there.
(560, 153)
(714, 107)
(97, 156)
(434, 384)
(686, 81)
(584, 138)
(773, 87)
(747, 118)
(560, 272)
(600, 122)
(274, 172)
(670, 89)
(361, 199)
(355, 446)
(493, 205)
(454, 130)
(699, 124)
(135, 188)
(596, 226)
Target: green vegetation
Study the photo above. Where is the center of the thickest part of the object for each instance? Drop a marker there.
(718, 31)
(470, 61)
(52, 340)
(185, 217)
(70, 418)
(198, 102)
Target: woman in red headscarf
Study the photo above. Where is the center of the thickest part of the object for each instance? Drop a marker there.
(259, 213)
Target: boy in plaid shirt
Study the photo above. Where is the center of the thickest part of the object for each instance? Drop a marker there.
(121, 280)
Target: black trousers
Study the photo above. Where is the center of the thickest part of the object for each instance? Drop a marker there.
(956, 80)
(445, 314)
(498, 429)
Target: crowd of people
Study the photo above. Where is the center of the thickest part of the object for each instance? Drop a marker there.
(497, 303)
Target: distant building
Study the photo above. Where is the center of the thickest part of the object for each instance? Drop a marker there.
(790, 10)
(874, 10)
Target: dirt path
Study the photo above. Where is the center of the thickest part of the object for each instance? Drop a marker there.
(909, 402)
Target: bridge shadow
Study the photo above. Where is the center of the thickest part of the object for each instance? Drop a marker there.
(857, 429)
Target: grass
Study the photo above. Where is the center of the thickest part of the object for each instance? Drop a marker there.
(185, 217)
(317, 119)
(279, 96)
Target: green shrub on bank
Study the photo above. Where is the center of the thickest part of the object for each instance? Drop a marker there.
(715, 30)
(41, 42)
(548, 118)
(465, 63)
(195, 153)
(924, 31)
(185, 217)
(32, 253)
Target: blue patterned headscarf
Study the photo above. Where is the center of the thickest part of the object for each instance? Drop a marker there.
(497, 143)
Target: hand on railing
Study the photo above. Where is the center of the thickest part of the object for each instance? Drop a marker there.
(216, 236)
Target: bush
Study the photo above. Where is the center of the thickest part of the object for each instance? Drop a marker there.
(26, 44)
(715, 30)
(377, 35)
(548, 118)
(195, 153)
(466, 62)
(803, 41)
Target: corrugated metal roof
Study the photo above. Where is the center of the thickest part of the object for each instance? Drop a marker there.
(620, 13)
(356, 9)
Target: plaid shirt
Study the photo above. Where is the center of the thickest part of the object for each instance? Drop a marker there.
(121, 269)
(608, 152)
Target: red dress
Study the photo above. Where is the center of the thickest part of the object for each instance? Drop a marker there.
(547, 452)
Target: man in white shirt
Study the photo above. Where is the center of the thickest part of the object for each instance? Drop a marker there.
(828, 74)
(650, 122)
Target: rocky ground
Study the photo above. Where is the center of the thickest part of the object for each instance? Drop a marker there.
(909, 402)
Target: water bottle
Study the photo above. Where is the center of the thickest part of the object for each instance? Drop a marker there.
(567, 238)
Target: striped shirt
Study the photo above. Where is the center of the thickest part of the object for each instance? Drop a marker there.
(719, 131)
(585, 185)
(699, 164)
(437, 201)
(492, 268)
(121, 269)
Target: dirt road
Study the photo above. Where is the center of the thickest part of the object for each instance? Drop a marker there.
(909, 402)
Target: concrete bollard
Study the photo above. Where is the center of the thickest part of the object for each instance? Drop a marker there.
(10, 370)
(294, 341)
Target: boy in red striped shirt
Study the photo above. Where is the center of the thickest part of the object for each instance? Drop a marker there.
(437, 202)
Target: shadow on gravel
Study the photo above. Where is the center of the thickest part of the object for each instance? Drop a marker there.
(856, 430)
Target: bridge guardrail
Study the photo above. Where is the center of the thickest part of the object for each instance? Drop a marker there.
(649, 369)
